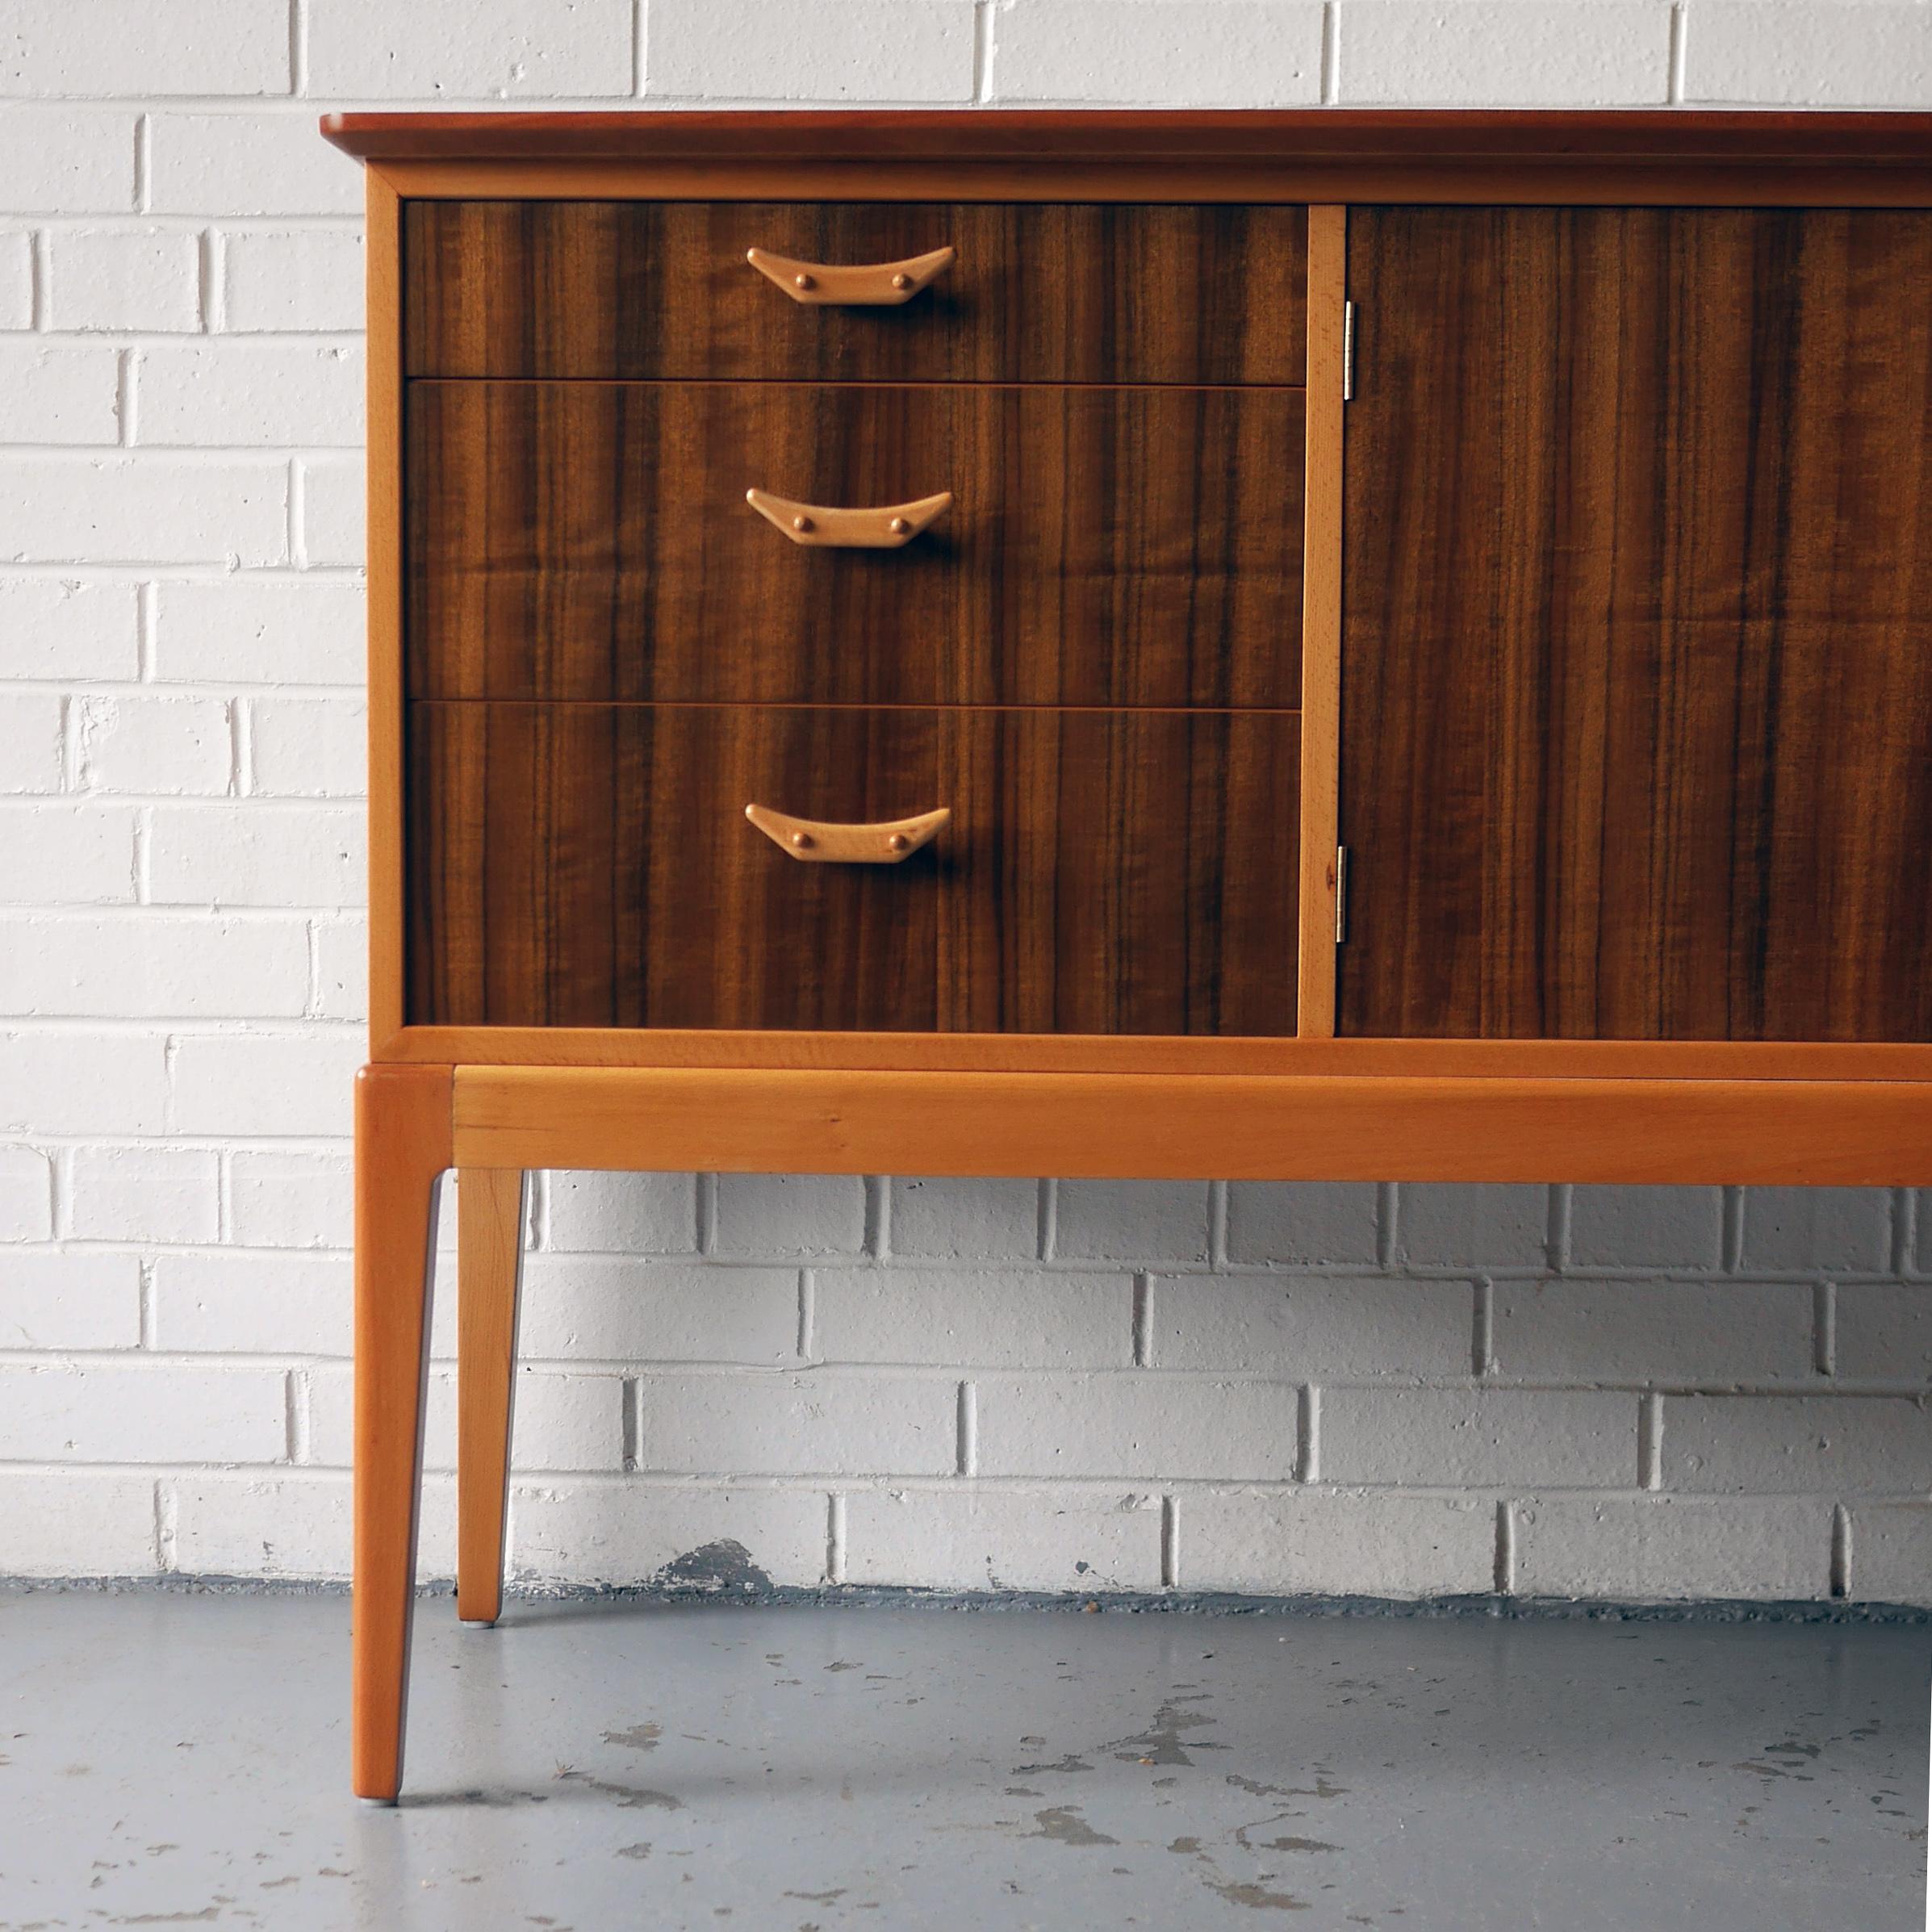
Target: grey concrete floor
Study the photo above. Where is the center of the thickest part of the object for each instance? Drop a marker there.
(181, 1758)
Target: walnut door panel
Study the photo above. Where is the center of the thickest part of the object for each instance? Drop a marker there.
(1104, 546)
(1637, 640)
(1037, 293)
(589, 865)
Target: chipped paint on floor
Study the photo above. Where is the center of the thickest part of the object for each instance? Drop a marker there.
(180, 1759)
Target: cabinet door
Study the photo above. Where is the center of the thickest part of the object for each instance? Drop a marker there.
(1638, 633)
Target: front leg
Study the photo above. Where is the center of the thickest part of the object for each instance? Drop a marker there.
(489, 1260)
(403, 1135)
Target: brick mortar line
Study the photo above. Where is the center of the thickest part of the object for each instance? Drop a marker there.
(143, 185)
(166, 1141)
(1905, 1229)
(249, 915)
(1556, 1232)
(167, 1516)
(94, 572)
(835, 1367)
(557, 1260)
(835, 1537)
(1650, 1441)
(296, 532)
(298, 49)
(205, 334)
(317, 1030)
(267, 455)
(135, 223)
(1103, 1491)
(858, 1372)
(214, 909)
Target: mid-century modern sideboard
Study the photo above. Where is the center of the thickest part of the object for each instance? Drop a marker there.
(1330, 644)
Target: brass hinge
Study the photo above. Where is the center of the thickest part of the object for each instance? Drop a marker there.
(1348, 351)
(1341, 894)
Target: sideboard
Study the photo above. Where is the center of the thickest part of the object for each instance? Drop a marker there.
(1341, 645)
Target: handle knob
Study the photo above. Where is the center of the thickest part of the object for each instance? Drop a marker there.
(862, 284)
(888, 527)
(814, 839)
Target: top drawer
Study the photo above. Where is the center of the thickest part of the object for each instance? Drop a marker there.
(1092, 293)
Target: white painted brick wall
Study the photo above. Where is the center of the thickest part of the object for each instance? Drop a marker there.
(1182, 53)
(16, 278)
(939, 1316)
(98, 512)
(1087, 1386)
(126, 279)
(58, 392)
(80, 1298)
(26, 1194)
(31, 731)
(1330, 1542)
(968, 1539)
(851, 51)
(1505, 53)
(292, 278)
(1480, 1439)
(331, 493)
(242, 392)
(128, 47)
(1669, 1546)
(67, 855)
(69, 161)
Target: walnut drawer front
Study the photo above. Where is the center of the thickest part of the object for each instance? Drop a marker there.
(1104, 546)
(1103, 872)
(1091, 293)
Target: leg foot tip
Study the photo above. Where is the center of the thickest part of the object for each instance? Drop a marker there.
(477, 1623)
(377, 1804)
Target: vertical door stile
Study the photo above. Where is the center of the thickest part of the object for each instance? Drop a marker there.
(386, 911)
(1321, 621)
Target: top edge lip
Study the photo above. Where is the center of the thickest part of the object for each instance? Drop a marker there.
(1790, 138)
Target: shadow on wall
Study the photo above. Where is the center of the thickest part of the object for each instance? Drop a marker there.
(1640, 1394)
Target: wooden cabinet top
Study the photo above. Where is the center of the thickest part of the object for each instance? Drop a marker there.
(1658, 156)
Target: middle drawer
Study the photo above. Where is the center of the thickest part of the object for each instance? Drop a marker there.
(1111, 546)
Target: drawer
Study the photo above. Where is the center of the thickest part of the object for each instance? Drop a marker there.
(1103, 546)
(591, 865)
(1034, 293)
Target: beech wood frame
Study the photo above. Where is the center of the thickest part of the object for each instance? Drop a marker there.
(494, 1101)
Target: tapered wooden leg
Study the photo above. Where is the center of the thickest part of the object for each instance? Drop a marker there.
(402, 1144)
(489, 1267)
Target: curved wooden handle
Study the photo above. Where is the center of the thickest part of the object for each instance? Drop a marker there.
(884, 529)
(867, 285)
(885, 844)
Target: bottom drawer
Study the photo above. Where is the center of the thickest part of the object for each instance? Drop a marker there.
(1102, 871)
